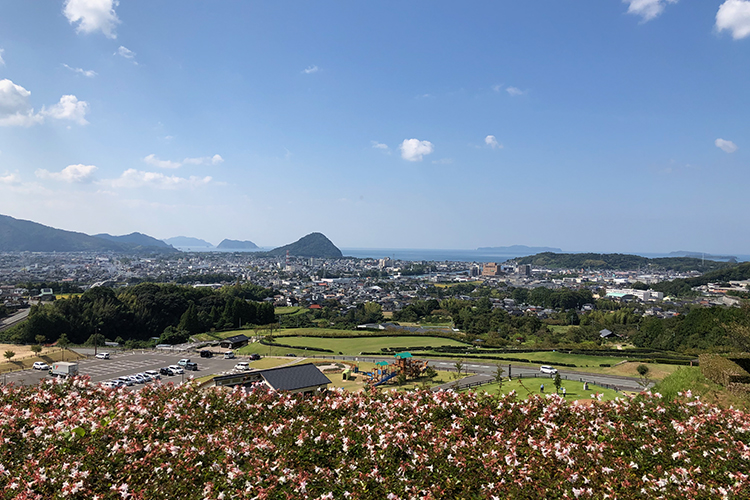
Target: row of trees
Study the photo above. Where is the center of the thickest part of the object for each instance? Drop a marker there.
(142, 312)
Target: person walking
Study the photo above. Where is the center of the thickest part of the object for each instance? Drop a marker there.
(541, 388)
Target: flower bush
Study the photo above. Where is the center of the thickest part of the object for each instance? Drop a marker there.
(75, 439)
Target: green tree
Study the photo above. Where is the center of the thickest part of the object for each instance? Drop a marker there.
(644, 376)
(459, 366)
(9, 354)
(40, 339)
(63, 341)
(36, 349)
(557, 382)
(499, 375)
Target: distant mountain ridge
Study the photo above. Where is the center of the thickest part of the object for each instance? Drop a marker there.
(18, 235)
(135, 239)
(237, 245)
(700, 255)
(518, 249)
(619, 262)
(187, 241)
(312, 245)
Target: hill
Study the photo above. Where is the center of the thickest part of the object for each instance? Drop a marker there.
(26, 236)
(187, 241)
(312, 245)
(139, 239)
(684, 286)
(619, 262)
(237, 245)
(519, 249)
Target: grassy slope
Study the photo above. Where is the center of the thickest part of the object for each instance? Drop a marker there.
(527, 388)
(692, 379)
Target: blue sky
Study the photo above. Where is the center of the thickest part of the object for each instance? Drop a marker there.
(590, 125)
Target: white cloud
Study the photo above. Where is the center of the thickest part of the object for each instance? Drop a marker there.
(2, 61)
(491, 141)
(72, 173)
(734, 15)
(10, 178)
(515, 91)
(81, 71)
(414, 149)
(16, 110)
(497, 88)
(443, 161)
(311, 69)
(125, 52)
(647, 9)
(69, 108)
(93, 15)
(204, 160)
(726, 146)
(133, 178)
(379, 145)
(156, 162)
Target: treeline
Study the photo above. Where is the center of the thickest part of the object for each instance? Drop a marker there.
(619, 262)
(683, 286)
(141, 312)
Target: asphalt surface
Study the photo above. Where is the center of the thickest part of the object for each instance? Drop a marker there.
(14, 319)
(130, 363)
(515, 371)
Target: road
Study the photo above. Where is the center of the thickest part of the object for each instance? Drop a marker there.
(515, 371)
(14, 319)
(131, 362)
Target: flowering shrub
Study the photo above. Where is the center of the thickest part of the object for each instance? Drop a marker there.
(76, 440)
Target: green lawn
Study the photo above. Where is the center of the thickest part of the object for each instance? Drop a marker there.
(559, 328)
(280, 311)
(529, 387)
(354, 346)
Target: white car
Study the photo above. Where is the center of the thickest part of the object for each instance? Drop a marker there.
(229, 355)
(112, 384)
(154, 374)
(548, 369)
(103, 355)
(242, 366)
(177, 369)
(127, 380)
(41, 365)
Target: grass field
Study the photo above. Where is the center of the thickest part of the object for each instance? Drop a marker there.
(353, 346)
(559, 328)
(281, 311)
(25, 358)
(691, 378)
(531, 387)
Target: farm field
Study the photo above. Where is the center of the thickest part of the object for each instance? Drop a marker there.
(25, 358)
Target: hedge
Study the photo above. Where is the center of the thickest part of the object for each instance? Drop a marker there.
(723, 370)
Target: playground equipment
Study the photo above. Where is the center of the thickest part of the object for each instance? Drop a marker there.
(403, 363)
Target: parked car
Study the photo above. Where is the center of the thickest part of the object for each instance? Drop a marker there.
(138, 379)
(41, 365)
(176, 369)
(103, 355)
(290, 355)
(191, 366)
(111, 384)
(242, 366)
(548, 369)
(206, 354)
(255, 357)
(153, 374)
(183, 362)
(229, 355)
(166, 371)
(146, 377)
(127, 381)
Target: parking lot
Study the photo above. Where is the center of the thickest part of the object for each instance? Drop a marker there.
(132, 362)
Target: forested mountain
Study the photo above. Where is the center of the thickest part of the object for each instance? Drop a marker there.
(139, 239)
(519, 249)
(237, 245)
(619, 262)
(21, 235)
(312, 245)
